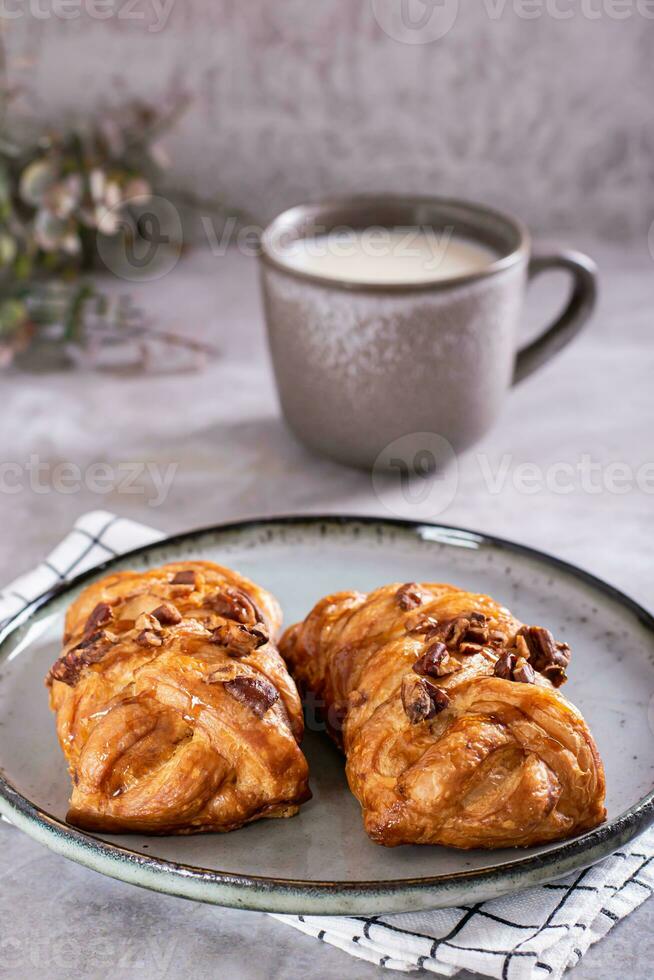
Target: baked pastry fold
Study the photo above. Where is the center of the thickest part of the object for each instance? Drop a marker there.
(448, 711)
(173, 707)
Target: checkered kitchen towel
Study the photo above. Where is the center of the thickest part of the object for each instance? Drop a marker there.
(535, 934)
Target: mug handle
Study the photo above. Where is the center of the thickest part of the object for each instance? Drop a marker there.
(580, 305)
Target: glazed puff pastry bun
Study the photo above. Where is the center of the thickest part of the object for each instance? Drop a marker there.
(449, 713)
(174, 710)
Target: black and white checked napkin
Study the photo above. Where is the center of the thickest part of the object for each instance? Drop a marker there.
(532, 935)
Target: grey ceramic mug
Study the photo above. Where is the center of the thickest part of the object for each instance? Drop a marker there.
(360, 366)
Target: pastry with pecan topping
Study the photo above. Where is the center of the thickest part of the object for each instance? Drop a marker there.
(174, 710)
(452, 725)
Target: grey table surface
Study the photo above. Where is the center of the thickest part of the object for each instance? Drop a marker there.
(230, 456)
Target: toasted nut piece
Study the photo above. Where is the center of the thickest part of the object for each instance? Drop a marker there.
(148, 638)
(436, 662)
(147, 622)
(537, 645)
(185, 577)
(469, 649)
(91, 650)
(421, 699)
(524, 672)
(475, 634)
(457, 631)
(237, 639)
(408, 596)
(415, 699)
(256, 693)
(504, 666)
(521, 646)
(555, 674)
(101, 615)
(511, 667)
(232, 603)
(440, 698)
(167, 614)
(421, 625)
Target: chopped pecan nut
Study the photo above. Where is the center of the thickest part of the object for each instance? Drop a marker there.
(167, 614)
(256, 693)
(148, 638)
(460, 630)
(475, 633)
(436, 662)
(511, 667)
(523, 672)
(470, 628)
(222, 673)
(146, 622)
(232, 603)
(504, 666)
(91, 641)
(539, 645)
(496, 638)
(555, 674)
(439, 698)
(421, 699)
(101, 615)
(185, 577)
(469, 649)
(416, 699)
(237, 639)
(448, 631)
(408, 596)
(422, 626)
(91, 650)
(520, 644)
(549, 658)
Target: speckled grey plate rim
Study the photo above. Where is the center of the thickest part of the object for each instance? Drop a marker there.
(285, 895)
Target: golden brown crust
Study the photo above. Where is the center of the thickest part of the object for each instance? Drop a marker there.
(452, 735)
(174, 709)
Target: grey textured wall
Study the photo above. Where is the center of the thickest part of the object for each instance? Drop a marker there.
(550, 114)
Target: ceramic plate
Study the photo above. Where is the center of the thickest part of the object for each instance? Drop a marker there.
(321, 861)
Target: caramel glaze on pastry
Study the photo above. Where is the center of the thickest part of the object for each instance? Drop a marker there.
(174, 709)
(449, 714)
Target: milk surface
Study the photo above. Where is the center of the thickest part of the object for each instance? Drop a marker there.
(388, 256)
